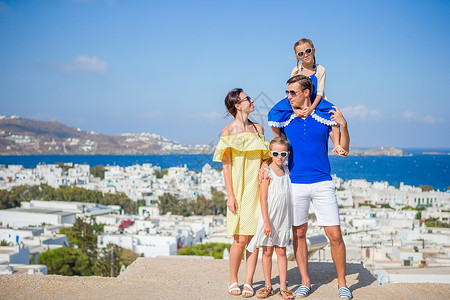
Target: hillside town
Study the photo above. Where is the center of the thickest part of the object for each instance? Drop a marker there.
(26, 136)
(399, 233)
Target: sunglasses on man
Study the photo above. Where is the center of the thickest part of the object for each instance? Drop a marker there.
(291, 92)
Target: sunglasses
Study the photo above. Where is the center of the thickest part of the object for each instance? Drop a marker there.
(246, 98)
(292, 93)
(282, 154)
(307, 51)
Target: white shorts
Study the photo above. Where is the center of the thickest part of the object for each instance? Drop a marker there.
(322, 195)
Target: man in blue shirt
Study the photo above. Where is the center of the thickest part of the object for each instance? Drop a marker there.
(311, 181)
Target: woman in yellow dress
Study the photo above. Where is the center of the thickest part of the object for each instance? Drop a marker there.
(241, 149)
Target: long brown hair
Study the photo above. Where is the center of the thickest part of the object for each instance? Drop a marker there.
(231, 100)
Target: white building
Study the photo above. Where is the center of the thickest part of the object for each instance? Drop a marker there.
(23, 217)
(147, 245)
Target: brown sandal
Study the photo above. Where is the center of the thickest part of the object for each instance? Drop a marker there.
(265, 292)
(286, 294)
(340, 151)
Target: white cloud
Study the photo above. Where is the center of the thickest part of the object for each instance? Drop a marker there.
(155, 114)
(210, 116)
(413, 116)
(86, 64)
(81, 64)
(362, 113)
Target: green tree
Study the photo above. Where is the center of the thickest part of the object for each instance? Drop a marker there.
(209, 249)
(201, 206)
(160, 173)
(167, 203)
(426, 188)
(98, 171)
(64, 167)
(6, 201)
(118, 255)
(67, 261)
(219, 202)
(21, 193)
(5, 243)
(385, 206)
(434, 222)
(418, 215)
(83, 235)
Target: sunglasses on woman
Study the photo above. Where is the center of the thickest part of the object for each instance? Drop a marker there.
(246, 98)
(307, 51)
(282, 154)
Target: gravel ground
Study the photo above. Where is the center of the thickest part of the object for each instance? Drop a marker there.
(203, 278)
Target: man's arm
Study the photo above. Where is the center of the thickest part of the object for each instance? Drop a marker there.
(336, 115)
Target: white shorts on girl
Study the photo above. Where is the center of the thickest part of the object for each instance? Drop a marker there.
(323, 197)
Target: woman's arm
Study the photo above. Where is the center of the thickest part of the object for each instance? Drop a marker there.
(226, 162)
(264, 188)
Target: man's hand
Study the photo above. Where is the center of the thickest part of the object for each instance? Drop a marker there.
(232, 204)
(336, 115)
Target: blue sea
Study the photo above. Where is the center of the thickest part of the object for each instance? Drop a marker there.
(416, 169)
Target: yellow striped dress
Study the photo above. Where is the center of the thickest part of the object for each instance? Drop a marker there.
(248, 150)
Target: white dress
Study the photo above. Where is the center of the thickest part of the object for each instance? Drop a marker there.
(279, 209)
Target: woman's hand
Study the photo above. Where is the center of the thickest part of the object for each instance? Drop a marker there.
(264, 166)
(267, 229)
(232, 204)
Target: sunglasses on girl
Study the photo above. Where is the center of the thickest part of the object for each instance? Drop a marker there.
(282, 154)
(307, 51)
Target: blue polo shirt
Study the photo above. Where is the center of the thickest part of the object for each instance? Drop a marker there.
(308, 160)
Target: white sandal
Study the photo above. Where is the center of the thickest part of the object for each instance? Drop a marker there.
(231, 289)
(248, 293)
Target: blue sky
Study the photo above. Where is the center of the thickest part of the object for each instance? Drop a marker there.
(165, 66)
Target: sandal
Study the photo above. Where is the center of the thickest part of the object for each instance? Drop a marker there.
(340, 151)
(231, 289)
(247, 293)
(265, 292)
(285, 293)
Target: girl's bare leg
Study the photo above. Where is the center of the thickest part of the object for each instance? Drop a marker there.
(267, 265)
(282, 265)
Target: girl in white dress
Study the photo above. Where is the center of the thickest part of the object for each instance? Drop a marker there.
(275, 220)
